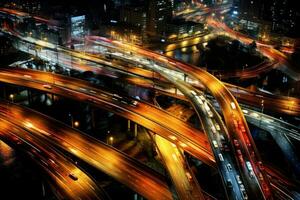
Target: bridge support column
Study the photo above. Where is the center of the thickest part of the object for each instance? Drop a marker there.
(52, 98)
(128, 125)
(288, 150)
(93, 117)
(137, 197)
(135, 130)
(29, 97)
(4, 93)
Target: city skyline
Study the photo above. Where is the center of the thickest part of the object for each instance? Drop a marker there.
(156, 99)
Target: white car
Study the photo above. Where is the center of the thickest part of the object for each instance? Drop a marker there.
(210, 114)
(193, 92)
(47, 86)
(215, 143)
(229, 167)
(238, 179)
(217, 126)
(232, 104)
(221, 157)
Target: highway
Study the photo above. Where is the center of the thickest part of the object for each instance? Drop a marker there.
(285, 105)
(266, 49)
(272, 123)
(270, 102)
(178, 168)
(279, 182)
(249, 72)
(209, 120)
(142, 113)
(289, 110)
(186, 184)
(175, 74)
(52, 162)
(23, 83)
(114, 163)
(43, 79)
(281, 133)
(225, 99)
(234, 119)
(22, 15)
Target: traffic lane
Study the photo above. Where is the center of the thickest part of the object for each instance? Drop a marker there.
(5, 108)
(183, 132)
(135, 71)
(116, 164)
(190, 93)
(175, 164)
(54, 163)
(220, 92)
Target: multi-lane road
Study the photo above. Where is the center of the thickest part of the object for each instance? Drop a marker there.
(172, 70)
(71, 181)
(84, 62)
(103, 157)
(154, 119)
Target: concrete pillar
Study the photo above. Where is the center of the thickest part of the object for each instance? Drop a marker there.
(29, 97)
(137, 197)
(4, 92)
(93, 117)
(287, 149)
(52, 98)
(135, 130)
(128, 125)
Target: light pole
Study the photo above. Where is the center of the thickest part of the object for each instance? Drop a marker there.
(291, 104)
(74, 123)
(11, 96)
(111, 139)
(70, 115)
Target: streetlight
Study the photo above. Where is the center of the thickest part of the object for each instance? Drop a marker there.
(76, 124)
(11, 96)
(291, 104)
(111, 139)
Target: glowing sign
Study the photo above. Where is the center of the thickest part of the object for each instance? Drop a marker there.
(78, 26)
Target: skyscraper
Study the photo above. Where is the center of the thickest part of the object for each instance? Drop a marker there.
(282, 15)
(159, 13)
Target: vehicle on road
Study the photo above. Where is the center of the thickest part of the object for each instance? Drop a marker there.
(229, 184)
(238, 179)
(47, 86)
(72, 176)
(229, 167)
(221, 157)
(215, 143)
